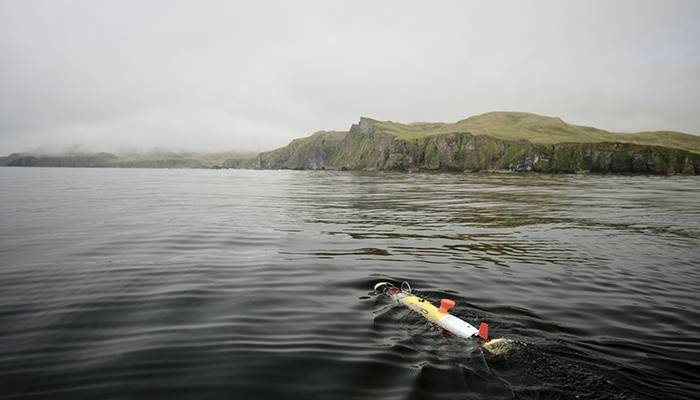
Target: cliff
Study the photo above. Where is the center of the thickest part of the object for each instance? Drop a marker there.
(542, 146)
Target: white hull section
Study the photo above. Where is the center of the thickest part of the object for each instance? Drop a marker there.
(457, 327)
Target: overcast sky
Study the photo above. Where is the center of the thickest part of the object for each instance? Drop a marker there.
(207, 75)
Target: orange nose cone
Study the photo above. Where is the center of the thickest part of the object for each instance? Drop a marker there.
(445, 305)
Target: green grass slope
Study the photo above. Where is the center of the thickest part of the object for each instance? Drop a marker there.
(537, 129)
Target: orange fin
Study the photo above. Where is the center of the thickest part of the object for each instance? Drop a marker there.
(484, 331)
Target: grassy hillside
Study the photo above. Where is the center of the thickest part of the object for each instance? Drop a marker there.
(493, 141)
(305, 152)
(537, 129)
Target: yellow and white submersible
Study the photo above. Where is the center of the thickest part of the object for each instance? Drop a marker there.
(441, 317)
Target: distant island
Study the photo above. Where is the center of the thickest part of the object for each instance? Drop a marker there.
(151, 159)
(496, 141)
(506, 141)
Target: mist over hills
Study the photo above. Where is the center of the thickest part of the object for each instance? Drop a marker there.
(126, 158)
(512, 141)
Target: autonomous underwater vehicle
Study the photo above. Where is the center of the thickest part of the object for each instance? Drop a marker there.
(442, 318)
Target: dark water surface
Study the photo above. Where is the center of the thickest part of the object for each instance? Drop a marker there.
(194, 284)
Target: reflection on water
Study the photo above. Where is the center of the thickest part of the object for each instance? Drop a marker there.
(256, 284)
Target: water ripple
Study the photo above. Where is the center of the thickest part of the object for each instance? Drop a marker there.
(257, 284)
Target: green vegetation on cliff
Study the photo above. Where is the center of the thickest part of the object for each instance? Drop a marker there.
(537, 129)
(494, 141)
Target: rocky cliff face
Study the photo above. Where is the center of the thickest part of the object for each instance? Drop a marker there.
(365, 147)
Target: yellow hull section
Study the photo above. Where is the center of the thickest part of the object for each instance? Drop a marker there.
(424, 307)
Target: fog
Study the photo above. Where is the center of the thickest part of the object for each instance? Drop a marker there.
(209, 76)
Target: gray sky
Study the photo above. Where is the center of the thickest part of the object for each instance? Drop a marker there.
(207, 75)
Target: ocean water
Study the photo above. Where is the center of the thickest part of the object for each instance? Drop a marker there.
(235, 284)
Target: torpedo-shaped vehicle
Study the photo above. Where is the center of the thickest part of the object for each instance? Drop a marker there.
(441, 316)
